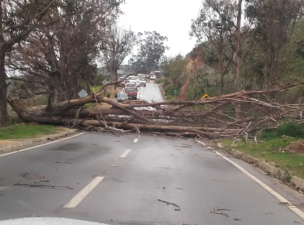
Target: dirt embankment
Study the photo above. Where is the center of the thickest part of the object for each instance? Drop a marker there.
(297, 147)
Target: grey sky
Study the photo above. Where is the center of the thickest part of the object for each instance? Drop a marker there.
(171, 18)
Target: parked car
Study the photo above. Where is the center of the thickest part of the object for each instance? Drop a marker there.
(121, 97)
(153, 77)
(131, 92)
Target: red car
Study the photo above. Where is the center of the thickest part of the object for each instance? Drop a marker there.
(131, 92)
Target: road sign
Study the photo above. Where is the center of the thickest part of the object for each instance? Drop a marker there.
(205, 96)
(82, 93)
(175, 92)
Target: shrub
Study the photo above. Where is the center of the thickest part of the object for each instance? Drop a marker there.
(288, 129)
(97, 81)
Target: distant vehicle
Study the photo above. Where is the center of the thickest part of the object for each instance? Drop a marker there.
(134, 79)
(121, 97)
(129, 79)
(142, 82)
(131, 85)
(131, 92)
(148, 76)
(153, 77)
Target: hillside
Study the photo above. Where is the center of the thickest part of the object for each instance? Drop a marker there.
(203, 78)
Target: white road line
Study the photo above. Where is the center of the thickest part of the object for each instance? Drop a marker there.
(124, 155)
(201, 143)
(26, 149)
(135, 140)
(267, 188)
(4, 188)
(83, 193)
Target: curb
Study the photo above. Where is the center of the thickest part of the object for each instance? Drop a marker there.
(277, 173)
(26, 142)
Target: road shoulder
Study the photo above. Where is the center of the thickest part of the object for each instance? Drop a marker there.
(291, 181)
(10, 145)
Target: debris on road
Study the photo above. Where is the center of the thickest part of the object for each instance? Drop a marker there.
(65, 162)
(185, 146)
(236, 219)
(199, 118)
(32, 175)
(219, 211)
(43, 181)
(36, 176)
(170, 203)
(44, 186)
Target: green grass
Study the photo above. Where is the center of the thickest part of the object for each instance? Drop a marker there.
(271, 151)
(95, 88)
(19, 131)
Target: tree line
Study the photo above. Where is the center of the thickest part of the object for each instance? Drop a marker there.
(244, 45)
(54, 47)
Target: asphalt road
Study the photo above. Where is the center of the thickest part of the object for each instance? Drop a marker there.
(150, 93)
(132, 179)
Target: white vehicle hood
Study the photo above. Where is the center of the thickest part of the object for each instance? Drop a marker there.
(47, 221)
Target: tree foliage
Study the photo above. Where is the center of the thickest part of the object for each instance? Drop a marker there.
(18, 18)
(217, 24)
(174, 72)
(272, 23)
(59, 56)
(151, 51)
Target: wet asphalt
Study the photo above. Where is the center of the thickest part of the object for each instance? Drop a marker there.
(159, 180)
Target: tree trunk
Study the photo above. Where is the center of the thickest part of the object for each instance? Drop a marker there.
(3, 94)
(238, 57)
(238, 47)
(3, 84)
(114, 75)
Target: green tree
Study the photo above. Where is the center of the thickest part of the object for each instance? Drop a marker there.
(219, 23)
(59, 59)
(174, 71)
(272, 23)
(151, 51)
(18, 18)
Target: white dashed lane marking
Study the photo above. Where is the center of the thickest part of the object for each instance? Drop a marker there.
(124, 155)
(83, 193)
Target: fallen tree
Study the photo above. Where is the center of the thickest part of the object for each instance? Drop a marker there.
(212, 118)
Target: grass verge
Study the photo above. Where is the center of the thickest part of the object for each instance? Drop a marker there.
(19, 131)
(271, 151)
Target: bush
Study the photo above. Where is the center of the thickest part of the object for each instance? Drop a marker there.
(288, 129)
(97, 81)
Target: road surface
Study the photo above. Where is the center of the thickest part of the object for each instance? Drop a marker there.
(140, 180)
(150, 93)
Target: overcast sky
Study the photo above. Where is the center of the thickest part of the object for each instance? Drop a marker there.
(171, 18)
